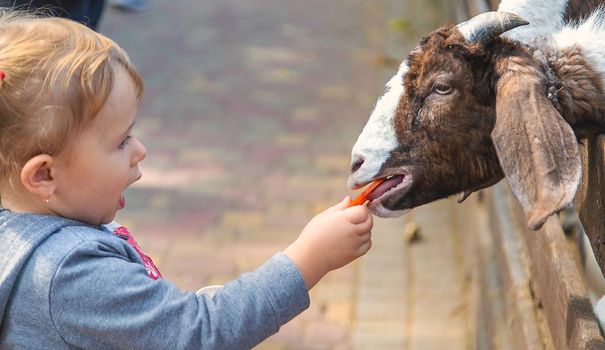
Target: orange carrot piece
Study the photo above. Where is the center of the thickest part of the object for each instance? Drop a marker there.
(364, 195)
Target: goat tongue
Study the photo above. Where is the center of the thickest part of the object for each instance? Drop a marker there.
(364, 195)
(385, 186)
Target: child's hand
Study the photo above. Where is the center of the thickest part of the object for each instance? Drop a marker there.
(331, 240)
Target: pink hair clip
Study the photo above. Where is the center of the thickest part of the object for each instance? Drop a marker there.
(2, 75)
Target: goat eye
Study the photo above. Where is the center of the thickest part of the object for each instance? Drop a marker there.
(442, 89)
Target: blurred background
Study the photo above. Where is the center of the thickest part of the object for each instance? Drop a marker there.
(251, 108)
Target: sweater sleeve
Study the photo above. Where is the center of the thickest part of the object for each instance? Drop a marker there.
(101, 300)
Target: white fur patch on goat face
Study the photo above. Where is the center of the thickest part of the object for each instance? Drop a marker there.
(378, 139)
(544, 16)
(383, 212)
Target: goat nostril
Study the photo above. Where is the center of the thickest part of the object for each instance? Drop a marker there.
(356, 165)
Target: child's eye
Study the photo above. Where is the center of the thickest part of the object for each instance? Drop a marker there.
(125, 142)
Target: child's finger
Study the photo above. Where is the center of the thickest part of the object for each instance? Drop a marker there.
(365, 236)
(340, 205)
(357, 214)
(366, 225)
(365, 247)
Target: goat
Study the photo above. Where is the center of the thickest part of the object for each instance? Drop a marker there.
(469, 106)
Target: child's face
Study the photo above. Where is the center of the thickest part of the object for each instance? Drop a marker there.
(102, 162)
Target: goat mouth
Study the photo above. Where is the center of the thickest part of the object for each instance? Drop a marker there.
(392, 184)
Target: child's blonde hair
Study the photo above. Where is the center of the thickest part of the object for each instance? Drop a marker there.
(57, 76)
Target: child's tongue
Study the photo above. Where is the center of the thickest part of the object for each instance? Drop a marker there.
(122, 202)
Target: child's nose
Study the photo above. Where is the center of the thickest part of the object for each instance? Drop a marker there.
(140, 151)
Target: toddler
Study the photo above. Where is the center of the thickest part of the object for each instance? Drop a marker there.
(69, 278)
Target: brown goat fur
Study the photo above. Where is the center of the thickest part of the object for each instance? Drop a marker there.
(580, 92)
(577, 9)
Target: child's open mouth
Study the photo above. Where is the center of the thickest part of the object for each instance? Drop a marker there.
(122, 202)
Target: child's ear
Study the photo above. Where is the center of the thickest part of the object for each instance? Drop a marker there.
(36, 176)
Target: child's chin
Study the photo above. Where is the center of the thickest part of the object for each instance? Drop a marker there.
(107, 220)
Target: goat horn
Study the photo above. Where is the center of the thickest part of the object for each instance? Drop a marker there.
(484, 27)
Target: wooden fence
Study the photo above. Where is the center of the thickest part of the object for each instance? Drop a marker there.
(531, 293)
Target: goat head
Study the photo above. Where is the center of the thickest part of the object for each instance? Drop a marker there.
(466, 108)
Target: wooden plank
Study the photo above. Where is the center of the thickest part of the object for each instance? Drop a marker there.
(557, 284)
(521, 309)
(488, 325)
(589, 200)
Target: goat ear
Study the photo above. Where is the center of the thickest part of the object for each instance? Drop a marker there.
(537, 148)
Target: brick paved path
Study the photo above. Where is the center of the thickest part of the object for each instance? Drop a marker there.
(250, 111)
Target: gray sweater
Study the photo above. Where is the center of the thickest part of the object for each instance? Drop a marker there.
(66, 285)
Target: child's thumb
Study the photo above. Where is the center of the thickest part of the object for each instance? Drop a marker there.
(343, 204)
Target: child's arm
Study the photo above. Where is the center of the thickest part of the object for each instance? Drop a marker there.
(98, 297)
(331, 240)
